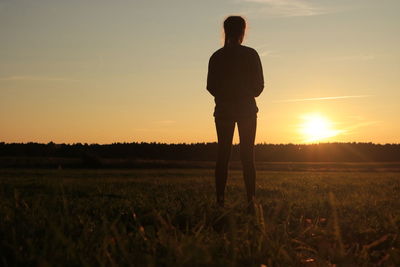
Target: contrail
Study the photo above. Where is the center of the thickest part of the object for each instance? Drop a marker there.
(322, 98)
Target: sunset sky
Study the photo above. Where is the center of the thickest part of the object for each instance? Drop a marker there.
(131, 71)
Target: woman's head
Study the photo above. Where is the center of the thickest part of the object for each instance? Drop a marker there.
(234, 27)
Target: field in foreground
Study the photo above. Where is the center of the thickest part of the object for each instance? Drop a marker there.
(167, 217)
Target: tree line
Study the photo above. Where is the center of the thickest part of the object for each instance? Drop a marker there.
(321, 152)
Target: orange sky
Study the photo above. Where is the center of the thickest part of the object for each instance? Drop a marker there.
(135, 71)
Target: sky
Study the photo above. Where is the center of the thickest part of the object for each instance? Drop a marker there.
(135, 71)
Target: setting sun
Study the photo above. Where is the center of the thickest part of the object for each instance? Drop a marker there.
(316, 127)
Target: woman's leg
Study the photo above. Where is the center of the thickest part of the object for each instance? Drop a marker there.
(247, 132)
(225, 129)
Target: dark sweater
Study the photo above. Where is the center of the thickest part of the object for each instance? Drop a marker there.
(235, 78)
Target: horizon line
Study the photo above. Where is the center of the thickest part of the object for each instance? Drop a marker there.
(195, 143)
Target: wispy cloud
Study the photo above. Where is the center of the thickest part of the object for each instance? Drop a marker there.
(322, 98)
(352, 129)
(361, 124)
(286, 8)
(269, 53)
(264, 51)
(361, 57)
(36, 78)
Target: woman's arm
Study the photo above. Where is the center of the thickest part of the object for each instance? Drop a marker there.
(258, 76)
(211, 77)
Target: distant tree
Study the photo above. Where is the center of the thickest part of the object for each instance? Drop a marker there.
(323, 152)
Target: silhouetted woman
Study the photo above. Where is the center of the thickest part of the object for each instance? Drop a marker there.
(235, 78)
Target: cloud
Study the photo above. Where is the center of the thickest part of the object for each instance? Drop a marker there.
(286, 8)
(36, 78)
(361, 124)
(354, 122)
(269, 53)
(365, 57)
(264, 51)
(352, 129)
(322, 98)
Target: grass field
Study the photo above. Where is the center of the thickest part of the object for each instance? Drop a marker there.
(167, 217)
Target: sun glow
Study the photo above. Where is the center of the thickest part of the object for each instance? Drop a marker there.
(316, 127)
